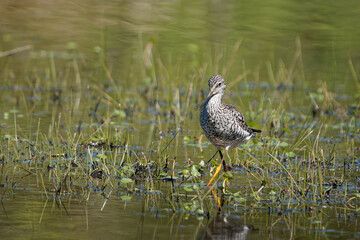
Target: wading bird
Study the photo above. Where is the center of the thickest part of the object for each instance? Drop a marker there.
(222, 124)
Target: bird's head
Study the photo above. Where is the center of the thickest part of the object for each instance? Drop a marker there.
(217, 86)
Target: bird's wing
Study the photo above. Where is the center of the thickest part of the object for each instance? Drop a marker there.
(242, 128)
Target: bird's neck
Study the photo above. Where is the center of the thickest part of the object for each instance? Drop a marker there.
(214, 102)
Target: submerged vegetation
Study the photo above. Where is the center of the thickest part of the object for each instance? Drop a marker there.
(77, 131)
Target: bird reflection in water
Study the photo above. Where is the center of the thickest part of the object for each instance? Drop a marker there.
(225, 228)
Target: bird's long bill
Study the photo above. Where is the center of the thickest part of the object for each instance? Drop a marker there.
(210, 95)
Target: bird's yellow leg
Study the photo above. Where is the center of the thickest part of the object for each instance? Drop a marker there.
(217, 199)
(225, 184)
(217, 170)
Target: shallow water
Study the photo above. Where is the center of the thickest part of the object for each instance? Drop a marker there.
(66, 68)
(27, 214)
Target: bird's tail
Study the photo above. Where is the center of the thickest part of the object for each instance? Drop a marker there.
(255, 130)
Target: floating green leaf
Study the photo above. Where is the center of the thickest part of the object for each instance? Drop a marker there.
(272, 192)
(126, 198)
(194, 171)
(228, 176)
(290, 154)
(283, 144)
(185, 172)
(119, 113)
(237, 194)
(126, 180)
(187, 139)
(101, 156)
(240, 199)
(200, 211)
(213, 162)
(188, 188)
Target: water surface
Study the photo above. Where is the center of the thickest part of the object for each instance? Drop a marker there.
(142, 68)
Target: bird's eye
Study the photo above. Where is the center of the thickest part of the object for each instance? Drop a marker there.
(219, 84)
